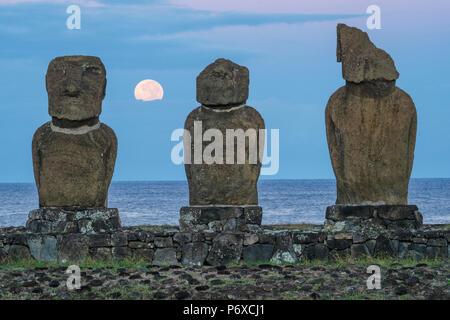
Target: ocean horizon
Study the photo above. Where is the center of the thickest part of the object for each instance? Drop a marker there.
(283, 201)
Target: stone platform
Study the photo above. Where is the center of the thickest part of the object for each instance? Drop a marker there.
(220, 218)
(73, 220)
(160, 245)
(378, 218)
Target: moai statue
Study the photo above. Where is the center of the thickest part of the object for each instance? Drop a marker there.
(223, 147)
(371, 132)
(74, 153)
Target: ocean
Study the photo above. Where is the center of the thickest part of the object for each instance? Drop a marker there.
(283, 201)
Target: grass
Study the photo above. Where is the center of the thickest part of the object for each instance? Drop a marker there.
(299, 227)
(88, 263)
(363, 261)
(381, 261)
(356, 297)
(134, 263)
(288, 296)
(443, 227)
(136, 290)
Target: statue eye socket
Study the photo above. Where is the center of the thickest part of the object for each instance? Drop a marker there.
(93, 69)
(60, 70)
(221, 75)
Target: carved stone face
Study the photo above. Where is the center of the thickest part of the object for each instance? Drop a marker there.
(76, 87)
(223, 83)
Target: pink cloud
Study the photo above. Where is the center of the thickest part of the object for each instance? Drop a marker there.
(311, 6)
(85, 3)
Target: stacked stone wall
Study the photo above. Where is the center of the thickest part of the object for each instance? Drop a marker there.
(169, 246)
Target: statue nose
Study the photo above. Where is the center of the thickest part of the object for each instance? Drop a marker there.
(72, 89)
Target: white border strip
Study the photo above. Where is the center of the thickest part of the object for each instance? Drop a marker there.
(224, 110)
(75, 131)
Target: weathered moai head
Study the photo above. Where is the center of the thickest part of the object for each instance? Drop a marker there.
(371, 125)
(222, 88)
(361, 59)
(363, 63)
(223, 83)
(76, 87)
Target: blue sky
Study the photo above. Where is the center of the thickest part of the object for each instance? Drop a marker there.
(289, 47)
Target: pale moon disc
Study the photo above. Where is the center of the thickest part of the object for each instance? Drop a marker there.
(148, 90)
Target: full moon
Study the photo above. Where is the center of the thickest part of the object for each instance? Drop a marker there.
(148, 90)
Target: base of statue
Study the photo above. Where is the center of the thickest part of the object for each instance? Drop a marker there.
(220, 218)
(390, 217)
(73, 220)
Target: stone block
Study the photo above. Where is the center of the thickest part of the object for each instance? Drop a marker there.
(339, 244)
(250, 238)
(253, 215)
(437, 242)
(163, 242)
(165, 257)
(43, 248)
(119, 239)
(316, 251)
(102, 254)
(219, 218)
(121, 253)
(182, 237)
(100, 240)
(194, 254)
(72, 247)
(359, 250)
(395, 217)
(284, 250)
(384, 247)
(403, 249)
(307, 237)
(73, 220)
(258, 253)
(18, 252)
(226, 249)
(436, 252)
(144, 254)
(140, 245)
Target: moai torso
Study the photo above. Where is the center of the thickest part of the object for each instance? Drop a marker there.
(222, 88)
(74, 154)
(371, 126)
(74, 170)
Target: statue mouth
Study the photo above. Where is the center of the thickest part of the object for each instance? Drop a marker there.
(78, 101)
(71, 124)
(79, 95)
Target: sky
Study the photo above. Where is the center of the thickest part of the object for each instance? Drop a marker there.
(289, 47)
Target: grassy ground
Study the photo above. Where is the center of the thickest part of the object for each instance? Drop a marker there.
(342, 279)
(137, 263)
